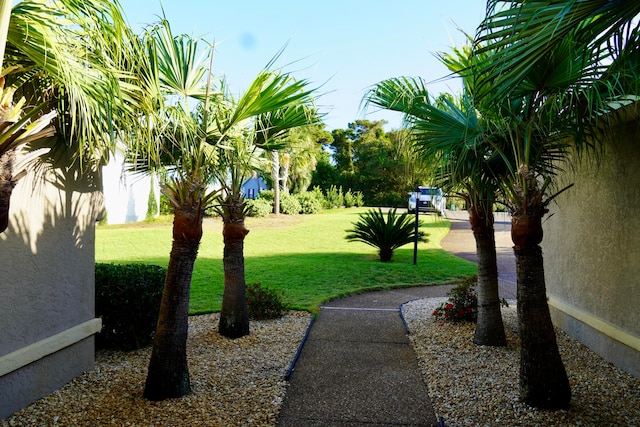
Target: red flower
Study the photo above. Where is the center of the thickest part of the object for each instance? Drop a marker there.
(461, 313)
(469, 310)
(435, 313)
(449, 306)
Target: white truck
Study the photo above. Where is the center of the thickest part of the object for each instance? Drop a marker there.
(427, 199)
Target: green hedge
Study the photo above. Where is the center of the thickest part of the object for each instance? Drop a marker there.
(128, 301)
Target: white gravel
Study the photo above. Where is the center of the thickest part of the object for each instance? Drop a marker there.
(241, 382)
(234, 382)
(473, 385)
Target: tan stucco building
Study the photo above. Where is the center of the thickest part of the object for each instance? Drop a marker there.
(592, 249)
(47, 309)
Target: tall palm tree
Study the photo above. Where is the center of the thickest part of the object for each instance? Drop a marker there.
(454, 136)
(526, 31)
(172, 78)
(549, 68)
(294, 109)
(197, 133)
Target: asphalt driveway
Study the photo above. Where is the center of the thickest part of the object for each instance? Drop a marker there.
(460, 242)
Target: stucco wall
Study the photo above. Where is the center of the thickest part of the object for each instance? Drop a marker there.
(592, 252)
(47, 286)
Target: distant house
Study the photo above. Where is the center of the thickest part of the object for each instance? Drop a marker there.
(126, 194)
(252, 186)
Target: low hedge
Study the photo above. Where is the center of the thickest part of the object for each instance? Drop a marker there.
(128, 301)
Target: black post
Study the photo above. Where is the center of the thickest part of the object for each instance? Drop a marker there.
(415, 228)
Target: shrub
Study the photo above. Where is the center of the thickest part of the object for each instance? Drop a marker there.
(259, 207)
(385, 232)
(310, 202)
(264, 303)
(353, 198)
(165, 205)
(152, 204)
(266, 195)
(358, 199)
(334, 197)
(462, 303)
(128, 300)
(289, 205)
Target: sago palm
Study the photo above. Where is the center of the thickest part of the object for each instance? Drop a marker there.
(385, 231)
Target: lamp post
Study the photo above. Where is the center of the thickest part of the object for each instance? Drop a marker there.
(415, 227)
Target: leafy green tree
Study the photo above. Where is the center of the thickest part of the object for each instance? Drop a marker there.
(382, 166)
(387, 232)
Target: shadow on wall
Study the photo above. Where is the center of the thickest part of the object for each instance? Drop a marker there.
(48, 285)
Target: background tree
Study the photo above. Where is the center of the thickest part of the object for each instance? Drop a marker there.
(382, 166)
(304, 148)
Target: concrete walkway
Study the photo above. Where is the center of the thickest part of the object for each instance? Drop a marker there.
(357, 367)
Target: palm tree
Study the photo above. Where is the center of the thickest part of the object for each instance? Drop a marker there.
(287, 105)
(171, 77)
(549, 69)
(526, 31)
(453, 136)
(70, 53)
(198, 147)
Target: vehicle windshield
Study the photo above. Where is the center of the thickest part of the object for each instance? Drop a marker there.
(430, 191)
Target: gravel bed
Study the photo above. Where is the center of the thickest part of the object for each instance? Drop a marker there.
(241, 382)
(472, 385)
(234, 382)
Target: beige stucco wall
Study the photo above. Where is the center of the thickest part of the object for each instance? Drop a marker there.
(592, 252)
(47, 286)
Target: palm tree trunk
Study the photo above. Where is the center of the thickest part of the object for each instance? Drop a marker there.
(168, 374)
(234, 319)
(489, 327)
(6, 186)
(543, 379)
(275, 176)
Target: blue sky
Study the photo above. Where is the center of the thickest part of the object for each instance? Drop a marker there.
(346, 46)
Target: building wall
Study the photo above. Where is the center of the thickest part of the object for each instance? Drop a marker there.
(126, 195)
(47, 309)
(592, 252)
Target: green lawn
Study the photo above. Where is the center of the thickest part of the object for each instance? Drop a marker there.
(306, 256)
